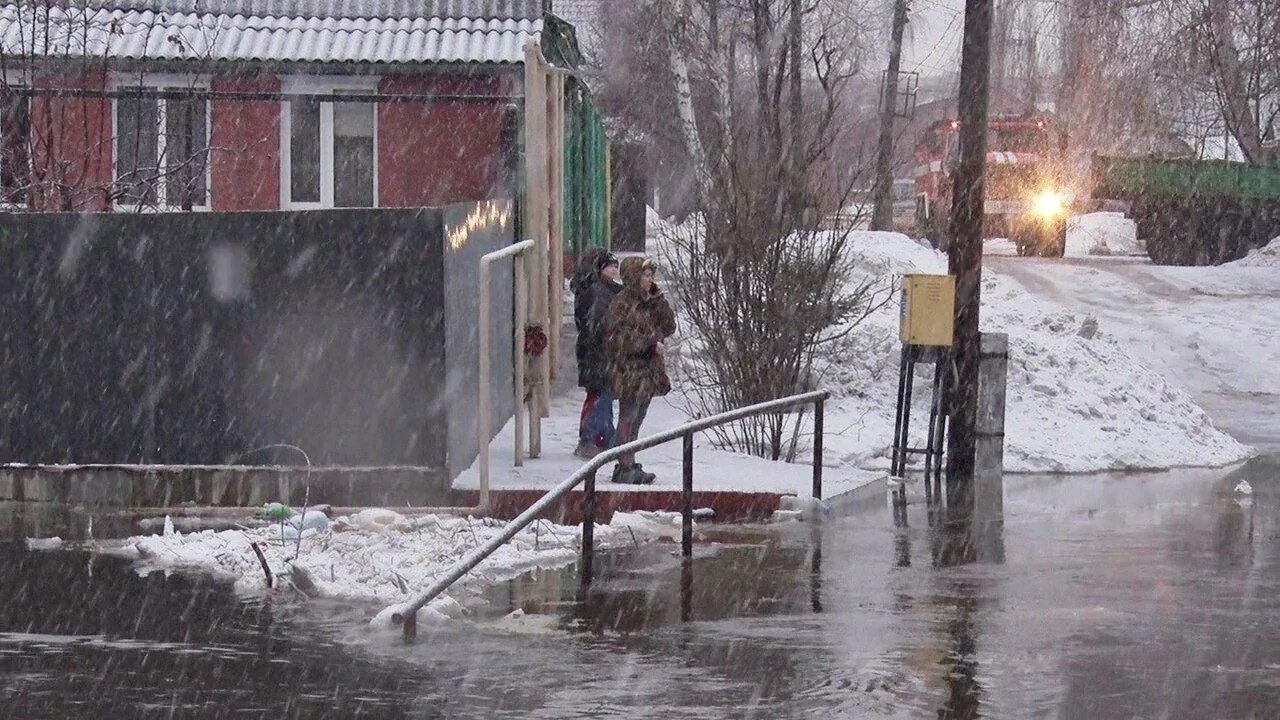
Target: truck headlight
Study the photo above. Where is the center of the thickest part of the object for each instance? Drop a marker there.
(1049, 204)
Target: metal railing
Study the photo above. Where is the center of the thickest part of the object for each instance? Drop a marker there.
(406, 614)
(519, 253)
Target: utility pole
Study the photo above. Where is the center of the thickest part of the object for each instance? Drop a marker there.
(882, 215)
(965, 255)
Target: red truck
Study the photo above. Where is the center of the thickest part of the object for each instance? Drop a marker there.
(1026, 198)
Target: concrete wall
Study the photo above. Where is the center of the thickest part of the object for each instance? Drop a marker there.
(462, 253)
(201, 337)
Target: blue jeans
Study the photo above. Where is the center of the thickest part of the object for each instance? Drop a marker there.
(596, 425)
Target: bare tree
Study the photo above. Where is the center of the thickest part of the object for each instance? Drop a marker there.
(1242, 44)
(1136, 70)
(74, 140)
(767, 290)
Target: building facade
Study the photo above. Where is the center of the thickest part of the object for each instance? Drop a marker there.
(239, 105)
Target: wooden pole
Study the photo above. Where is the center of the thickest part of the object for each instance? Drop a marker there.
(965, 254)
(882, 214)
(537, 192)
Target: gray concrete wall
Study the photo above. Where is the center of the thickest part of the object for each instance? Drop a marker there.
(131, 487)
(464, 244)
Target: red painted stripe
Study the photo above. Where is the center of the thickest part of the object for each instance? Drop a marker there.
(728, 506)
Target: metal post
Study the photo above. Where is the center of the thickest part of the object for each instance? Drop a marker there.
(686, 590)
(519, 251)
(520, 321)
(815, 568)
(588, 526)
(411, 625)
(940, 370)
(989, 476)
(933, 444)
(906, 410)
(965, 261)
(817, 448)
(482, 387)
(894, 468)
(686, 532)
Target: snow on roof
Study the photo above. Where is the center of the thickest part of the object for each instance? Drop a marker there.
(357, 31)
(500, 9)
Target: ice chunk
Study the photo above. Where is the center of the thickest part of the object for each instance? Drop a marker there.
(49, 543)
(371, 519)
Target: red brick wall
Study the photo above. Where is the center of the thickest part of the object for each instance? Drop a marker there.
(245, 141)
(428, 153)
(71, 146)
(439, 152)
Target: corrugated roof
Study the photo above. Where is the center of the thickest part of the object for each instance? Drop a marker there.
(487, 9)
(150, 34)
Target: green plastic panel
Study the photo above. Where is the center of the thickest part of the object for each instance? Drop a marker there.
(1116, 176)
(586, 173)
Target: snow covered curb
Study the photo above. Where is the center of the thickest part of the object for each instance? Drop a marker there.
(381, 556)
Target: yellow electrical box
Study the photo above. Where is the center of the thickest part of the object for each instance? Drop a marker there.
(928, 309)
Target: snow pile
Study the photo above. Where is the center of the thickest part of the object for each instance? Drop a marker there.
(1266, 256)
(1078, 401)
(654, 225)
(1102, 233)
(380, 555)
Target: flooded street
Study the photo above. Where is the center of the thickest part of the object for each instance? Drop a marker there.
(1151, 595)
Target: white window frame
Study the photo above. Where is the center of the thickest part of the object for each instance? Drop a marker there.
(321, 86)
(21, 83)
(162, 81)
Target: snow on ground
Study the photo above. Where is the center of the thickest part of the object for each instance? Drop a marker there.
(1079, 399)
(1102, 233)
(1266, 256)
(714, 469)
(379, 555)
(654, 224)
(1213, 331)
(1085, 391)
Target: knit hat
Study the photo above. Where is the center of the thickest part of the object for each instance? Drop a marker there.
(605, 259)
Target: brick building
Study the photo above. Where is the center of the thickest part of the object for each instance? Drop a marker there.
(233, 105)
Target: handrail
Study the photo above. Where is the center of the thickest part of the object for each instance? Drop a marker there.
(517, 251)
(406, 613)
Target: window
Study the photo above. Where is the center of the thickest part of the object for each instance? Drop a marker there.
(15, 147)
(304, 151)
(162, 150)
(353, 152)
(332, 160)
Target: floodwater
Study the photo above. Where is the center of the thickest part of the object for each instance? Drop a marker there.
(1121, 596)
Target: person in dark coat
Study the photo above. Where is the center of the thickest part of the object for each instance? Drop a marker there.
(638, 324)
(595, 284)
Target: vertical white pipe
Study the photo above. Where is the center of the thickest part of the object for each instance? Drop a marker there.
(520, 321)
(482, 386)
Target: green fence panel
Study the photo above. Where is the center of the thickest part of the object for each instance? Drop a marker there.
(586, 190)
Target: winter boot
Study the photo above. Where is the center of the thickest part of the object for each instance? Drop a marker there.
(645, 478)
(628, 476)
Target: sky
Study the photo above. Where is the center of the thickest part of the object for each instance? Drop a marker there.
(931, 45)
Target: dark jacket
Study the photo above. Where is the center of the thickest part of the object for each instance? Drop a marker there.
(636, 323)
(593, 363)
(583, 286)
